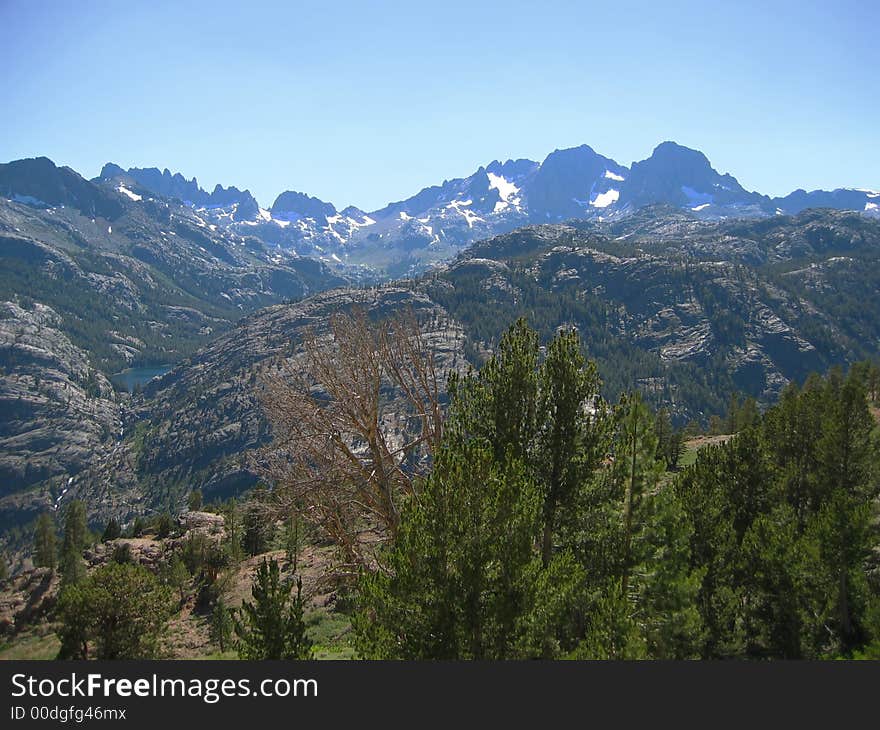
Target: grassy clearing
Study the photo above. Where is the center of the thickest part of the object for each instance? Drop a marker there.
(33, 647)
(693, 446)
(219, 656)
(331, 634)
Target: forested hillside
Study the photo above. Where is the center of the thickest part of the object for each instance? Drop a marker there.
(534, 519)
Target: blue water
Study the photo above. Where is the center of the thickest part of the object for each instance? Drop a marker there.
(130, 378)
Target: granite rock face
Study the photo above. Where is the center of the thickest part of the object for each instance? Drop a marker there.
(59, 413)
(201, 420)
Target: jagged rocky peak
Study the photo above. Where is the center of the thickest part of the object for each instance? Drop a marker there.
(512, 169)
(352, 211)
(684, 177)
(291, 205)
(41, 183)
(175, 185)
(573, 182)
(110, 171)
(158, 182)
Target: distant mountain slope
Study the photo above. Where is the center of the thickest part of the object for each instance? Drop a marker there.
(688, 311)
(95, 278)
(153, 276)
(198, 424)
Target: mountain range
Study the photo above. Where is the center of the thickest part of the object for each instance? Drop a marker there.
(407, 236)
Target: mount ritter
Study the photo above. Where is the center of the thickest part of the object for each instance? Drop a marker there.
(681, 284)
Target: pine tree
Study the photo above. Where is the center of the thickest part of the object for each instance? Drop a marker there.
(791, 432)
(670, 440)
(257, 530)
(463, 579)
(76, 531)
(703, 491)
(636, 468)
(119, 611)
(644, 586)
(178, 577)
(221, 625)
(164, 526)
(272, 625)
(570, 431)
(777, 582)
(45, 550)
(76, 539)
(194, 501)
(229, 510)
(112, 531)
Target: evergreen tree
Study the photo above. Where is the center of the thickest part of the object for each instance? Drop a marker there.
(194, 501)
(76, 539)
(792, 431)
(257, 531)
(703, 491)
(670, 440)
(272, 626)
(221, 625)
(229, 510)
(842, 529)
(571, 437)
(164, 526)
(112, 531)
(778, 580)
(178, 577)
(76, 530)
(293, 538)
(118, 612)
(45, 550)
(644, 591)
(463, 579)
(122, 553)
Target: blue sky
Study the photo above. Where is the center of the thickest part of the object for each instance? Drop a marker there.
(367, 102)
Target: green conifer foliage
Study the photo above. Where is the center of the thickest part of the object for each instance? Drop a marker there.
(271, 626)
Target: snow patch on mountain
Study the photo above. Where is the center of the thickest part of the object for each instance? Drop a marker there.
(128, 193)
(507, 191)
(613, 176)
(460, 207)
(603, 200)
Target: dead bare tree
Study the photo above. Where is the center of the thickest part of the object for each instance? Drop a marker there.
(356, 416)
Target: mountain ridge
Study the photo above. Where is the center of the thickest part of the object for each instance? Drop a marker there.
(410, 235)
